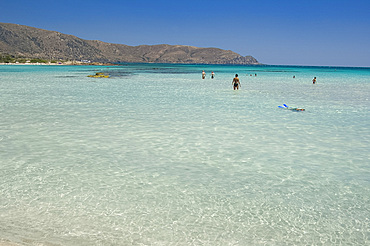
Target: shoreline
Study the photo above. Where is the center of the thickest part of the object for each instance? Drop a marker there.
(117, 64)
(69, 63)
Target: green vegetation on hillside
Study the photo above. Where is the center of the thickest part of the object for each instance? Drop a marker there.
(4, 58)
(7, 59)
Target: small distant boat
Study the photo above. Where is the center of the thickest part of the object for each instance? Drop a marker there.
(98, 75)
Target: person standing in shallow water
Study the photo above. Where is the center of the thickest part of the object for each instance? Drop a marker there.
(212, 75)
(203, 75)
(314, 80)
(236, 82)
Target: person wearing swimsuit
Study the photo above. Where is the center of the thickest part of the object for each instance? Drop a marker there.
(236, 82)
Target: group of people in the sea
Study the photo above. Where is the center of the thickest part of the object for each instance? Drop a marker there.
(236, 82)
(204, 75)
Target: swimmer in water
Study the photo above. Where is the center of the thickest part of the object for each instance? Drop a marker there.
(236, 82)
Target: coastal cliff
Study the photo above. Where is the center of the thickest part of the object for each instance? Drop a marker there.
(25, 41)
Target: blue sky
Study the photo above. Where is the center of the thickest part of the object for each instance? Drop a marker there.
(280, 32)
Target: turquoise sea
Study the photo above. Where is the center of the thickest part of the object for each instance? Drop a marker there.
(154, 155)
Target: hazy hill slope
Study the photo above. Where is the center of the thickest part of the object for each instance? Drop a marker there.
(33, 42)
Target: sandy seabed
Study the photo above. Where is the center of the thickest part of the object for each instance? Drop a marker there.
(4, 243)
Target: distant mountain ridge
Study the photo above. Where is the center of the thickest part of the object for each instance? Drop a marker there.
(20, 40)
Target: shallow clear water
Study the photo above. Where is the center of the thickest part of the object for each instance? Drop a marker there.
(155, 155)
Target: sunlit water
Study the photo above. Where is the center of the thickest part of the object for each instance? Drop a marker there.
(155, 155)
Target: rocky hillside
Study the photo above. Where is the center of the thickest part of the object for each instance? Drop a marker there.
(32, 42)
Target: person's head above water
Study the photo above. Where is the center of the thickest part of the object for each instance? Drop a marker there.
(236, 75)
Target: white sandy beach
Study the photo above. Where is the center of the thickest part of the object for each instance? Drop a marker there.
(61, 63)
